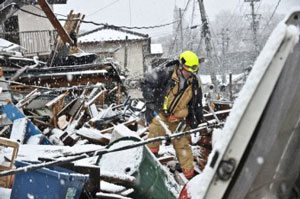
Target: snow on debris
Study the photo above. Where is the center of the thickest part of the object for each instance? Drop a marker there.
(107, 35)
(119, 176)
(199, 184)
(33, 152)
(124, 162)
(5, 193)
(109, 187)
(7, 45)
(109, 195)
(121, 131)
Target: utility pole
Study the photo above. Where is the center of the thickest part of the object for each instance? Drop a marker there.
(126, 53)
(208, 46)
(225, 44)
(181, 31)
(191, 33)
(254, 24)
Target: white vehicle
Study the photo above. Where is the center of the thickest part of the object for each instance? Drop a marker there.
(257, 153)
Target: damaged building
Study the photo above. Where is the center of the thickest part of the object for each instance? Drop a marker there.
(74, 99)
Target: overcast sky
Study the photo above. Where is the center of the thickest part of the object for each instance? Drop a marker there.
(156, 12)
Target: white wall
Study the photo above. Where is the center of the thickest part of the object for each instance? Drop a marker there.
(29, 22)
(134, 59)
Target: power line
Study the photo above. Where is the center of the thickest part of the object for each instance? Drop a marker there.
(267, 24)
(258, 6)
(173, 44)
(233, 12)
(100, 9)
(103, 24)
(100, 152)
(43, 11)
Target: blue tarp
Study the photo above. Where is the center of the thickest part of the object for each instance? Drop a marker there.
(13, 113)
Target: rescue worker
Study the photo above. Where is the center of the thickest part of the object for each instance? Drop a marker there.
(174, 95)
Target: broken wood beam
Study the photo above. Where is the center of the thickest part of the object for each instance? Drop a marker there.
(117, 178)
(56, 106)
(28, 98)
(56, 100)
(54, 21)
(100, 94)
(166, 159)
(109, 130)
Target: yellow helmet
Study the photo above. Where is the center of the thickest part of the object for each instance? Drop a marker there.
(189, 60)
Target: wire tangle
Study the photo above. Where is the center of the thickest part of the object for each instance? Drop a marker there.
(102, 24)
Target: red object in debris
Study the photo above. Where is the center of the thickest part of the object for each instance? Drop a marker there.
(188, 174)
(154, 149)
(172, 118)
(184, 194)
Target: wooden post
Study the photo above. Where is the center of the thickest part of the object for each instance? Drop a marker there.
(119, 95)
(126, 53)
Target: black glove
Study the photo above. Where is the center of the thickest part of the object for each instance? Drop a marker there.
(151, 112)
(172, 63)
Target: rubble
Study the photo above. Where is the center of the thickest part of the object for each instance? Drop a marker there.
(83, 105)
(72, 109)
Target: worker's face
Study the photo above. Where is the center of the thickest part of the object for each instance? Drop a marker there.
(186, 74)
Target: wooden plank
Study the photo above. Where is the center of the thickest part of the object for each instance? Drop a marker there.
(6, 181)
(56, 106)
(109, 130)
(18, 131)
(56, 100)
(110, 196)
(101, 94)
(54, 21)
(166, 159)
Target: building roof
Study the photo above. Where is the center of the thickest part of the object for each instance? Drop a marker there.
(110, 33)
(8, 46)
(156, 49)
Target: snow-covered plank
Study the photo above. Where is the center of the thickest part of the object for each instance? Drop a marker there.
(110, 187)
(116, 177)
(122, 131)
(19, 130)
(29, 153)
(110, 196)
(93, 110)
(94, 135)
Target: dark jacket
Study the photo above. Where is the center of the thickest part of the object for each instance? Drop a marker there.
(154, 88)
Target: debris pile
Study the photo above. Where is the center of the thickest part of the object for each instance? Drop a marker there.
(80, 120)
(69, 114)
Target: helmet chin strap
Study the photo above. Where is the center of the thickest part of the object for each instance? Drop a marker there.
(180, 70)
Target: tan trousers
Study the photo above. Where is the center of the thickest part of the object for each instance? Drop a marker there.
(181, 145)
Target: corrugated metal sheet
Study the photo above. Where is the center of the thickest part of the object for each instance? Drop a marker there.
(37, 42)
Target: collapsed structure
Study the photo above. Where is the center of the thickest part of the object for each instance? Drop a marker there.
(71, 104)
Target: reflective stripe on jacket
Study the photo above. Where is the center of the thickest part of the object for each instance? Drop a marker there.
(178, 99)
